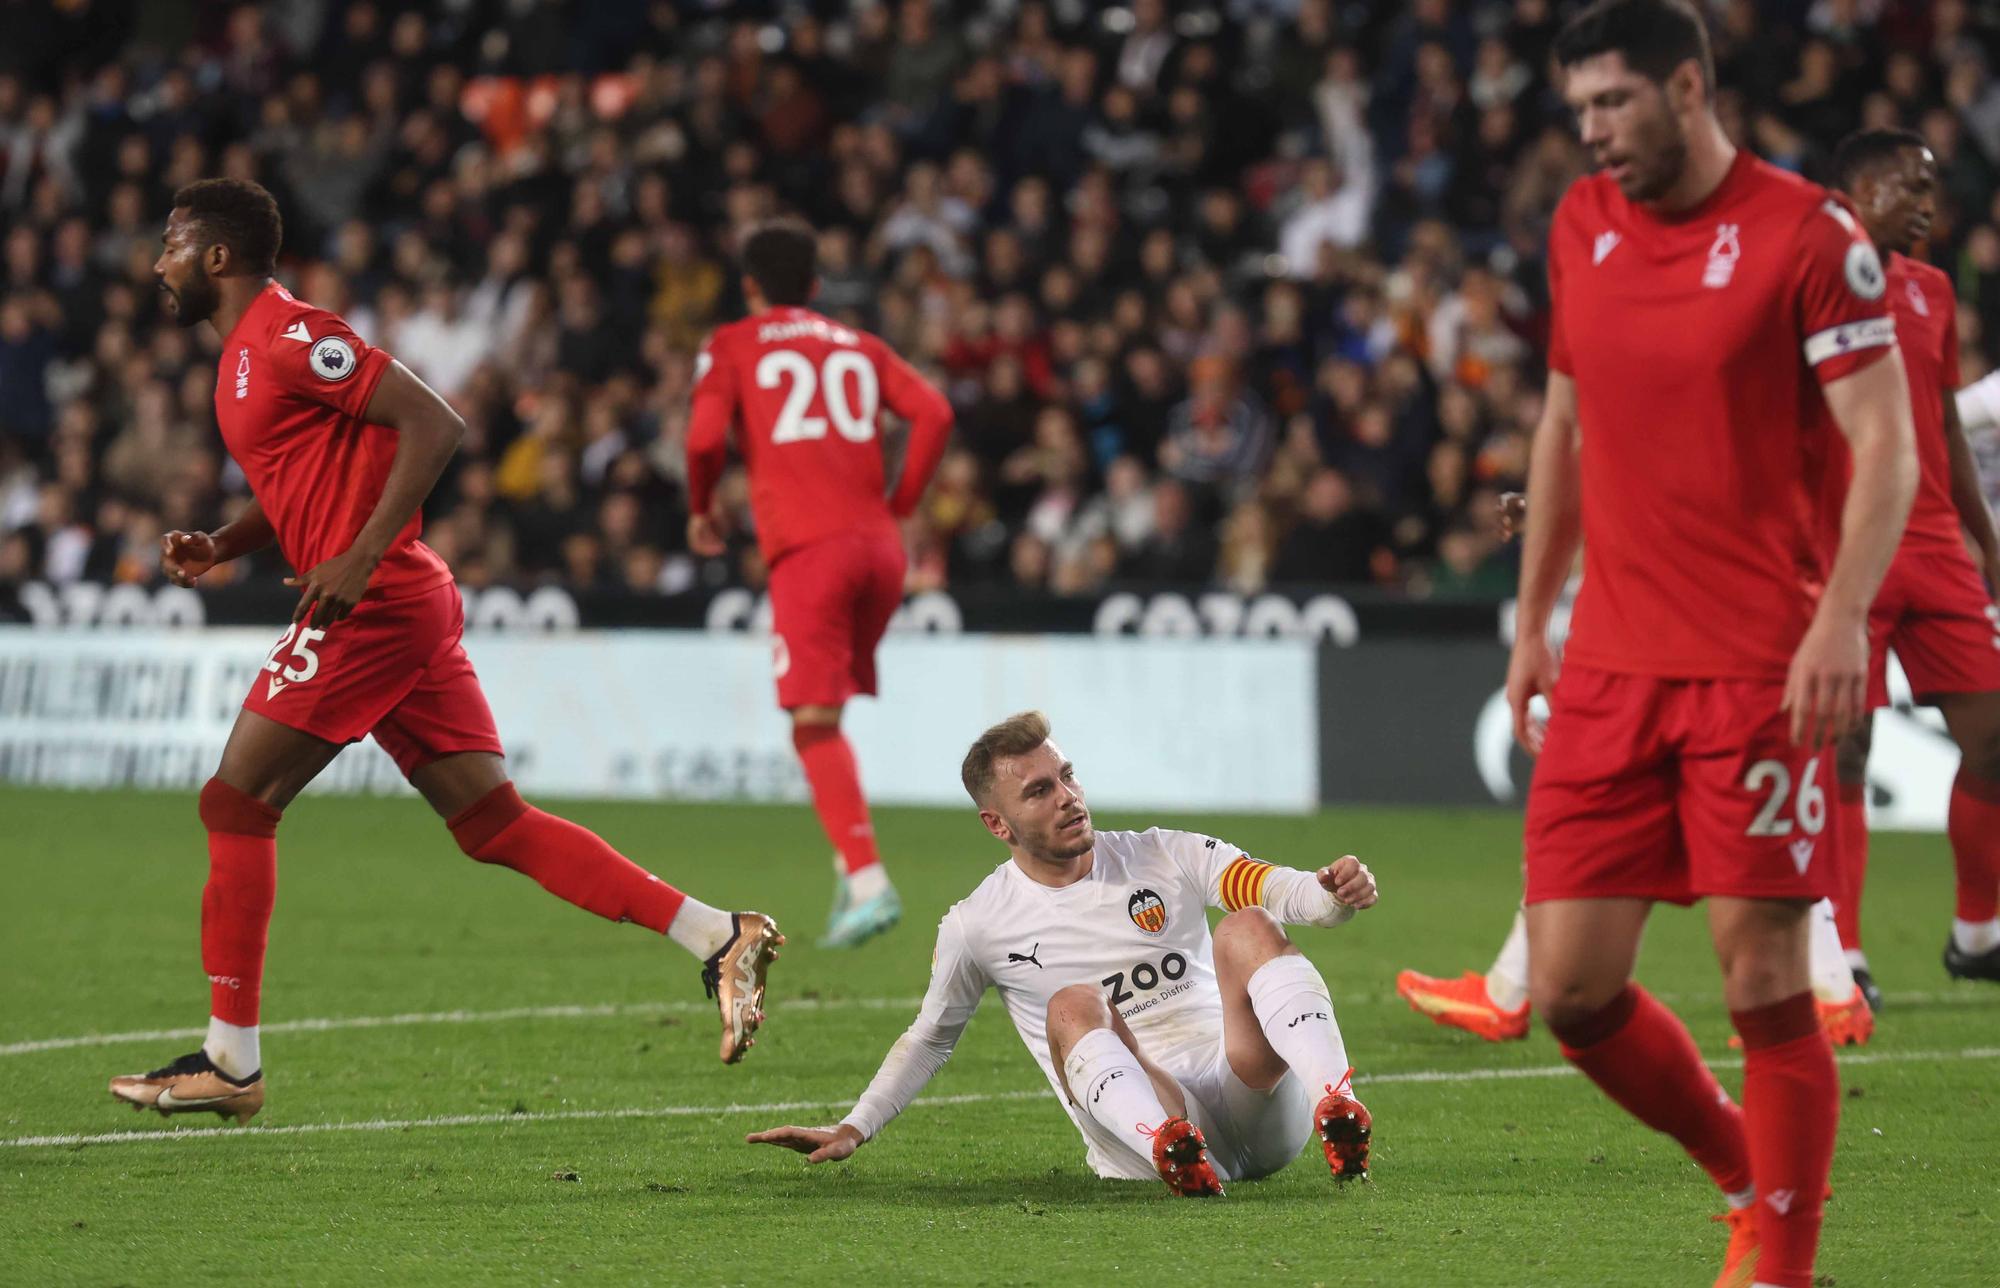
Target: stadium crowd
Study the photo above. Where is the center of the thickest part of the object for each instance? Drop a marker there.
(1244, 293)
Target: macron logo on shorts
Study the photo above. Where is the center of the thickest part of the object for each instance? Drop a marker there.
(1801, 854)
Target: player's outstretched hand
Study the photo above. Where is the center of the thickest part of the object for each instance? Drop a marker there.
(1349, 881)
(1826, 691)
(331, 589)
(818, 1144)
(1531, 671)
(1513, 513)
(705, 537)
(185, 556)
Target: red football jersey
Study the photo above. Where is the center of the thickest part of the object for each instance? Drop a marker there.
(1927, 332)
(805, 393)
(1698, 343)
(291, 392)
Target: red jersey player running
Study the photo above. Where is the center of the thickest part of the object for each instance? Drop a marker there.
(1933, 610)
(341, 444)
(1716, 323)
(803, 393)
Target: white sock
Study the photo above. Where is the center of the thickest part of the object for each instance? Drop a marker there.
(1832, 977)
(1292, 1004)
(700, 929)
(866, 884)
(232, 1048)
(1507, 980)
(1856, 959)
(1108, 1084)
(1976, 936)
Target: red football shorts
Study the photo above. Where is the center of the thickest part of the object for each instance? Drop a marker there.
(831, 601)
(395, 668)
(1933, 609)
(1675, 790)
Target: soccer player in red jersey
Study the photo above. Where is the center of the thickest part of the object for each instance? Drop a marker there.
(803, 394)
(341, 444)
(1718, 325)
(1934, 609)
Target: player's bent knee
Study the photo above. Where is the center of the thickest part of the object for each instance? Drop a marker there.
(1574, 1007)
(1252, 931)
(476, 826)
(1078, 1008)
(233, 811)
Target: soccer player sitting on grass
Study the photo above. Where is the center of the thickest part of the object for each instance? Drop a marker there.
(1192, 1057)
(341, 444)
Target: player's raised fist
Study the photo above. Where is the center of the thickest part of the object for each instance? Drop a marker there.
(185, 556)
(818, 1144)
(331, 589)
(1349, 881)
(1513, 513)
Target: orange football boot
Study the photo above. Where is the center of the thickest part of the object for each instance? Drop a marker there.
(1463, 1003)
(1849, 1023)
(1739, 1262)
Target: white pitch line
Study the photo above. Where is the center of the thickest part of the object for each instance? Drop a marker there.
(330, 1024)
(787, 1106)
(613, 1010)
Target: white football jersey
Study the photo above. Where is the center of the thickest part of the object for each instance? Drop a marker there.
(1136, 927)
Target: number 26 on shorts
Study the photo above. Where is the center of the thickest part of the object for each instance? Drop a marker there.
(1774, 777)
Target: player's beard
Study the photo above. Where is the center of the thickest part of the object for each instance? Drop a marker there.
(1056, 845)
(1658, 160)
(196, 301)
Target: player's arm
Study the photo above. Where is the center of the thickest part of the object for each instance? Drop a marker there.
(1232, 880)
(1968, 497)
(710, 414)
(1827, 689)
(427, 433)
(929, 413)
(957, 984)
(1548, 549)
(185, 556)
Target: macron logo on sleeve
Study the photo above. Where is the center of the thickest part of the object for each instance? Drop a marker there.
(296, 331)
(1601, 249)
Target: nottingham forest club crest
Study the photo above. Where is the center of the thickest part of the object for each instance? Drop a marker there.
(1148, 911)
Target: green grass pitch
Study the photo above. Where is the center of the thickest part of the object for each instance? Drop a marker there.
(603, 1144)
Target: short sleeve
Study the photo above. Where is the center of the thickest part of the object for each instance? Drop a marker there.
(319, 357)
(714, 375)
(1559, 359)
(1839, 294)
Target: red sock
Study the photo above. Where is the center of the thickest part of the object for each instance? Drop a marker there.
(1974, 827)
(836, 787)
(570, 862)
(1851, 853)
(236, 903)
(1640, 1054)
(1791, 1108)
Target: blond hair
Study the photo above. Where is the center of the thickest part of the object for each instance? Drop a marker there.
(1017, 735)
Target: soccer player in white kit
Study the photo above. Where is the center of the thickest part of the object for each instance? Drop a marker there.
(1177, 1054)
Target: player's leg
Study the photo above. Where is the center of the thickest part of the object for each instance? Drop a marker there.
(1603, 842)
(1623, 1039)
(1791, 1088)
(1105, 1074)
(1973, 951)
(822, 597)
(442, 737)
(1850, 847)
(1753, 806)
(264, 765)
(1493, 1005)
(1277, 1018)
